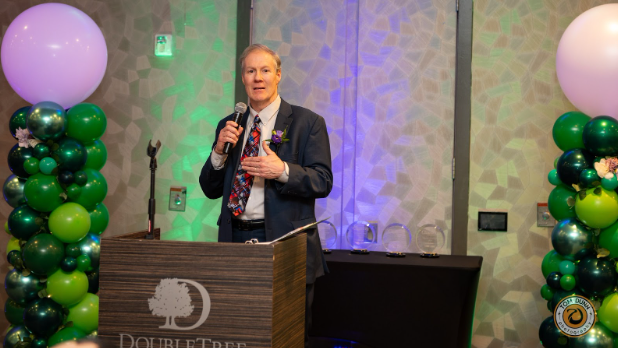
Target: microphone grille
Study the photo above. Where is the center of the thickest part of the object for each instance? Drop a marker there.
(240, 107)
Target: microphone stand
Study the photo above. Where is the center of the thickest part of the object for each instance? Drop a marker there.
(152, 152)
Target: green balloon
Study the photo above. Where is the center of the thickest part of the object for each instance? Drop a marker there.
(609, 184)
(43, 192)
(67, 288)
(69, 222)
(18, 120)
(598, 337)
(83, 263)
(85, 314)
(571, 239)
(46, 121)
(17, 157)
(94, 191)
(566, 267)
(31, 166)
(551, 336)
(47, 165)
(24, 222)
(43, 253)
(561, 202)
(99, 218)
(547, 292)
(14, 312)
(72, 250)
(589, 178)
(91, 246)
(43, 317)
(97, 155)
(16, 336)
(73, 191)
(596, 276)
(13, 191)
(567, 282)
(66, 334)
(598, 209)
(551, 263)
(22, 288)
(40, 151)
(86, 122)
(81, 178)
(608, 312)
(69, 264)
(601, 136)
(568, 130)
(553, 177)
(13, 244)
(70, 154)
(608, 239)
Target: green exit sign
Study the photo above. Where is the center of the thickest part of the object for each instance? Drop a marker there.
(163, 45)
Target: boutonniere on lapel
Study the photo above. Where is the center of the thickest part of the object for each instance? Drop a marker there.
(278, 137)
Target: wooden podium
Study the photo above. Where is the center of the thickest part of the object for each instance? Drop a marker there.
(172, 294)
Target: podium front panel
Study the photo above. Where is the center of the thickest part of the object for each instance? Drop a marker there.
(172, 294)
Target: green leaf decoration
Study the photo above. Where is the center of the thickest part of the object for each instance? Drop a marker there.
(602, 252)
(597, 191)
(582, 194)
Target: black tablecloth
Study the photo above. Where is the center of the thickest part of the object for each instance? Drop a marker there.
(397, 302)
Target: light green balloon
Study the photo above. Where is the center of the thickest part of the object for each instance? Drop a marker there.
(13, 244)
(70, 222)
(67, 289)
(85, 314)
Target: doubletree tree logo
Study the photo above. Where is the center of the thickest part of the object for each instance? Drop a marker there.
(172, 300)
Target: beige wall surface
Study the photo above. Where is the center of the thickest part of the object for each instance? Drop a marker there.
(515, 100)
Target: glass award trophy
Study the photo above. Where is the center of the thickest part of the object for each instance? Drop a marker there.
(360, 235)
(396, 239)
(430, 240)
(328, 236)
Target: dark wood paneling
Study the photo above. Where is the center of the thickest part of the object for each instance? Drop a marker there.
(256, 291)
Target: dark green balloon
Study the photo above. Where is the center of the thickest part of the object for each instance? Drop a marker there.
(97, 155)
(99, 218)
(73, 191)
(572, 163)
(43, 192)
(18, 120)
(43, 317)
(601, 136)
(38, 343)
(24, 222)
(91, 246)
(47, 121)
(66, 334)
(15, 259)
(43, 254)
(17, 157)
(20, 288)
(571, 239)
(559, 295)
(561, 202)
(93, 282)
(598, 337)
(83, 263)
(66, 177)
(72, 250)
(94, 191)
(589, 178)
(81, 178)
(596, 277)
(13, 191)
(15, 337)
(86, 122)
(14, 312)
(553, 280)
(41, 151)
(68, 264)
(568, 130)
(550, 335)
(70, 154)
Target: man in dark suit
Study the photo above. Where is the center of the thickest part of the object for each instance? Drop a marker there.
(273, 189)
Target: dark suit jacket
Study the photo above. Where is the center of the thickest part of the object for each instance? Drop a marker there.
(290, 205)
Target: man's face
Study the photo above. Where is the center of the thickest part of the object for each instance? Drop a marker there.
(261, 78)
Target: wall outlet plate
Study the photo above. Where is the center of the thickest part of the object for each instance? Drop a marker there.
(543, 216)
(178, 198)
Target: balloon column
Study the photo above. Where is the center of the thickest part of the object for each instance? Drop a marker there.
(54, 56)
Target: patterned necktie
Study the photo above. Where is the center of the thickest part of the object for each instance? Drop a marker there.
(243, 181)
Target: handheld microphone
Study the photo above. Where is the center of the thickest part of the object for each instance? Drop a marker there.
(239, 109)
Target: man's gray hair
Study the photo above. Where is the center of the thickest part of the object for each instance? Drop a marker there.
(259, 47)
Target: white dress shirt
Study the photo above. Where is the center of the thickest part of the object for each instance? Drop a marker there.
(268, 116)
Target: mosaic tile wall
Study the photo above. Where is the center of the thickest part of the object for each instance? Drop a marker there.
(515, 100)
(178, 101)
(382, 75)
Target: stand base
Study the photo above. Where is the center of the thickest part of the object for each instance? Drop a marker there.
(326, 251)
(430, 255)
(396, 254)
(359, 251)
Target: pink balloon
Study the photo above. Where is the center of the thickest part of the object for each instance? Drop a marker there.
(54, 52)
(587, 61)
